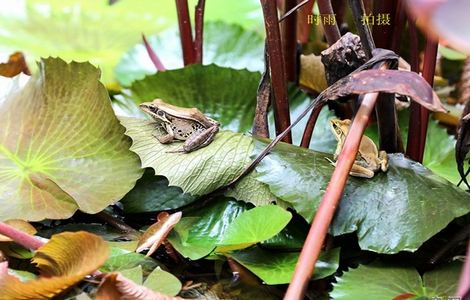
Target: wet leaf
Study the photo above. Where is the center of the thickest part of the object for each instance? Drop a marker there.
(253, 226)
(278, 267)
(15, 65)
(64, 148)
(385, 281)
(116, 286)
(198, 172)
(157, 232)
(63, 262)
(236, 48)
(394, 204)
(124, 261)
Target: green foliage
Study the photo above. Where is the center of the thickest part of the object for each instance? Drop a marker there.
(278, 267)
(395, 204)
(236, 48)
(382, 281)
(63, 148)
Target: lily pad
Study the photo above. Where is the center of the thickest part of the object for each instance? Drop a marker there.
(253, 226)
(278, 267)
(382, 281)
(199, 231)
(62, 147)
(163, 282)
(225, 94)
(236, 48)
(393, 204)
(199, 172)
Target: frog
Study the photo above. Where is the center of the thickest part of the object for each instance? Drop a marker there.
(369, 160)
(176, 123)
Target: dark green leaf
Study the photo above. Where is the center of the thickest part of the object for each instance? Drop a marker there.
(278, 267)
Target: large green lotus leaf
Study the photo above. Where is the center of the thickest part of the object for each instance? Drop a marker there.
(61, 146)
(97, 32)
(198, 232)
(278, 267)
(199, 172)
(227, 95)
(382, 281)
(394, 205)
(236, 48)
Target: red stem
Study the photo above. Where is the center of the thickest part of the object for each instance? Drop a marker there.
(463, 290)
(276, 63)
(199, 26)
(153, 56)
(289, 35)
(419, 116)
(332, 33)
(26, 240)
(303, 27)
(324, 215)
(186, 36)
(308, 131)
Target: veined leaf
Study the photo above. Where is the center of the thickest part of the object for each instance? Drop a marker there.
(61, 146)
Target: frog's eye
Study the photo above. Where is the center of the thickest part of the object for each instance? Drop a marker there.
(160, 113)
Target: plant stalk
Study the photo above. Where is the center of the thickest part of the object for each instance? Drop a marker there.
(419, 115)
(308, 132)
(186, 36)
(303, 26)
(332, 33)
(199, 29)
(153, 56)
(463, 290)
(26, 240)
(276, 63)
(289, 40)
(324, 215)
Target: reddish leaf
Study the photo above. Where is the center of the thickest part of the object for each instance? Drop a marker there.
(115, 286)
(15, 65)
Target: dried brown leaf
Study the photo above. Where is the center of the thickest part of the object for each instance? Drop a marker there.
(116, 286)
(64, 261)
(312, 73)
(15, 65)
(156, 233)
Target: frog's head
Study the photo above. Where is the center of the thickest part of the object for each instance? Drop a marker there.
(155, 110)
(339, 127)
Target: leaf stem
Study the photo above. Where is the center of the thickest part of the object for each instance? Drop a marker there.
(199, 29)
(332, 33)
(324, 215)
(184, 23)
(289, 33)
(153, 56)
(26, 240)
(276, 63)
(419, 115)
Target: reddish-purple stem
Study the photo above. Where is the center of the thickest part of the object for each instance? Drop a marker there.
(308, 132)
(332, 33)
(199, 28)
(463, 290)
(289, 34)
(153, 56)
(276, 63)
(303, 27)
(26, 240)
(326, 210)
(419, 116)
(186, 36)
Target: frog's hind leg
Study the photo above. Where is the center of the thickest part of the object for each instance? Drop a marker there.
(383, 161)
(201, 139)
(356, 170)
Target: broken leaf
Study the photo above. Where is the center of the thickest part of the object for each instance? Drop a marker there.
(15, 65)
(63, 262)
(157, 232)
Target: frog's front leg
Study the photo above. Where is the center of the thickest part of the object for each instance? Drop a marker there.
(383, 159)
(165, 138)
(200, 139)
